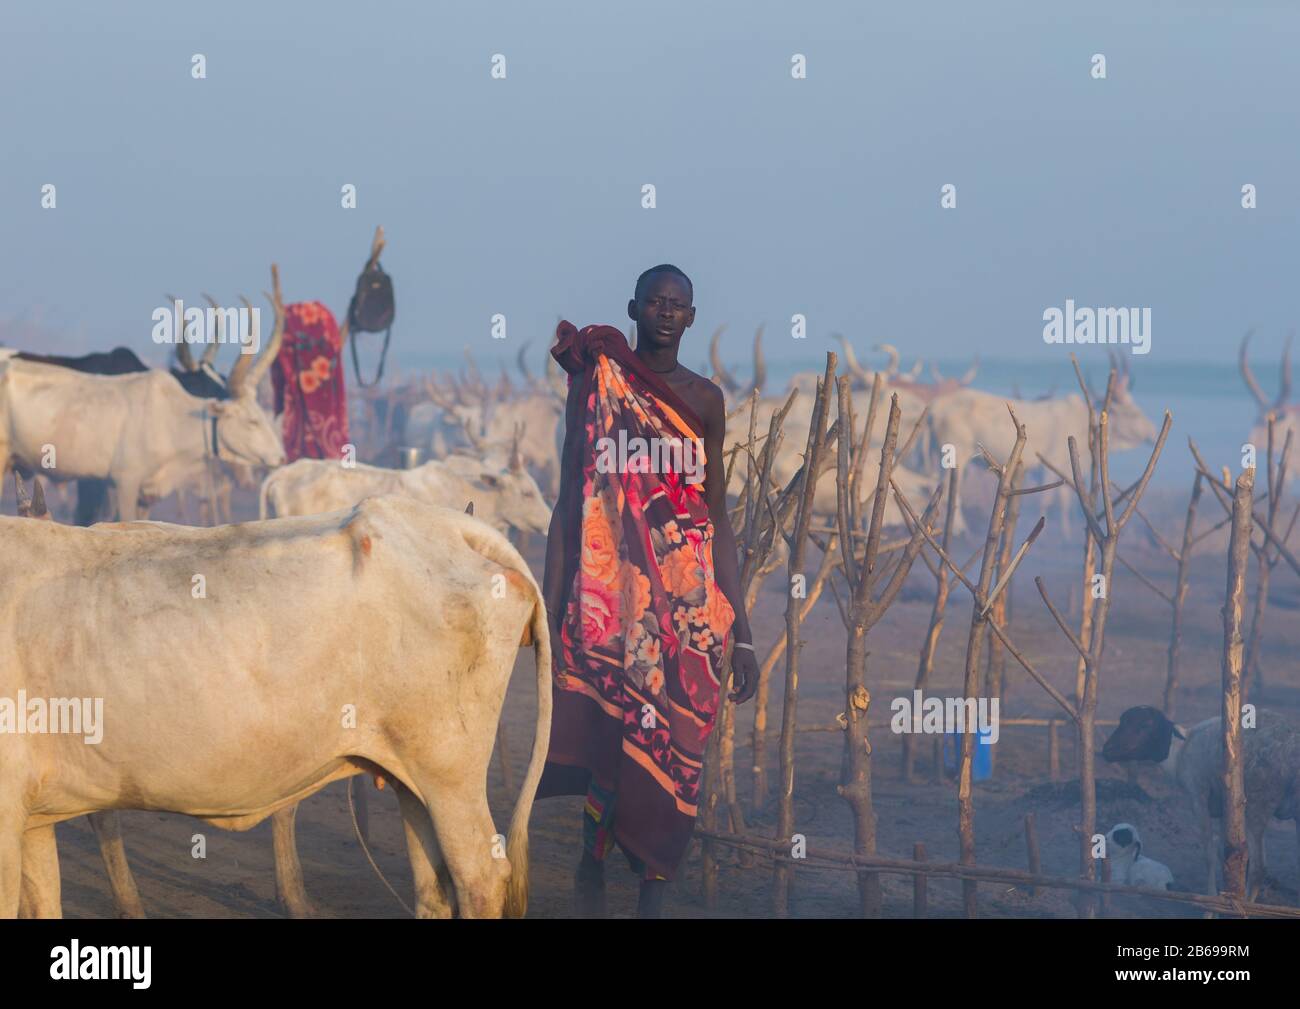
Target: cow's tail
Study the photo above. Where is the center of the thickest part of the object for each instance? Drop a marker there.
(517, 840)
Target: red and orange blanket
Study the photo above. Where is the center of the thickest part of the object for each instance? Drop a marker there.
(308, 383)
(645, 626)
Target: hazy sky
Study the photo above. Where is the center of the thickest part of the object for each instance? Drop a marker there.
(522, 196)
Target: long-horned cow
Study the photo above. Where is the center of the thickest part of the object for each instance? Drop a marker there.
(503, 492)
(374, 640)
(142, 431)
(969, 420)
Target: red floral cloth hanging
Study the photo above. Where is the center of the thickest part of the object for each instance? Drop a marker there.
(308, 383)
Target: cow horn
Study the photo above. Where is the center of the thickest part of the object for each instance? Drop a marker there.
(1284, 387)
(516, 460)
(971, 372)
(475, 376)
(248, 371)
(915, 373)
(935, 375)
(20, 492)
(436, 394)
(521, 362)
(210, 351)
(891, 369)
(851, 359)
(38, 509)
(183, 355)
(474, 439)
(723, 376)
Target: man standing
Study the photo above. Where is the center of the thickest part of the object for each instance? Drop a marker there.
(642, 590)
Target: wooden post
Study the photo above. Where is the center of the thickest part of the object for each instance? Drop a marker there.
(918, 883)
(997, 664)
(931, 643)
(863, 612)
(1275, 475)
(1180, 597)
(793, 612)
(1054, 750)
(974, 649)
(995, 672)
(1234, 819)
(1091, 646)
(1031, 848)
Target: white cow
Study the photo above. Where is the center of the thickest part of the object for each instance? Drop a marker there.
(917, 486)
(444, 426)
(142, 431)
(968, 418)
(375, 640)
(504, 494)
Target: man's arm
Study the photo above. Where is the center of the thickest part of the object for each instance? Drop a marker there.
(555, 578)
(726, 570)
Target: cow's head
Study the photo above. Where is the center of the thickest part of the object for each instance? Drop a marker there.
(1129, 427)
(245, 433)
(1286, 415)
(1143, 733)
(519, 500)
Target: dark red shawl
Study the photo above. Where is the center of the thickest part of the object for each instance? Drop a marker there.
(308, 381)
(644, 625)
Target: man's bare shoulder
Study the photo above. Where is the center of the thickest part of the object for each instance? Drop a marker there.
(701, 395)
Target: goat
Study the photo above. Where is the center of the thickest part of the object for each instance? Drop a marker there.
(1193, 757)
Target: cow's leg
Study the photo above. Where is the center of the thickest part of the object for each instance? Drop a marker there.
(108, 832)
(41, 894)
(468, 839)
(289, 889)
(11, 862)
(431, 882)
(128, 501)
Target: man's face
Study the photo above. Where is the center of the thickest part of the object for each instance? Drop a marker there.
(662, 312)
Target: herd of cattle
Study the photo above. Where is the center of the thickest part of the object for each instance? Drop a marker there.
(378, 623)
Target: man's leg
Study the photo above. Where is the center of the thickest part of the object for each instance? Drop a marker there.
(597, 840)
(650, 901)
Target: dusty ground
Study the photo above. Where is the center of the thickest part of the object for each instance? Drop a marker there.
(236, 878)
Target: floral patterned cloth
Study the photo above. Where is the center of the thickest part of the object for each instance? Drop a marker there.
(308, 383)
(645, 625)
